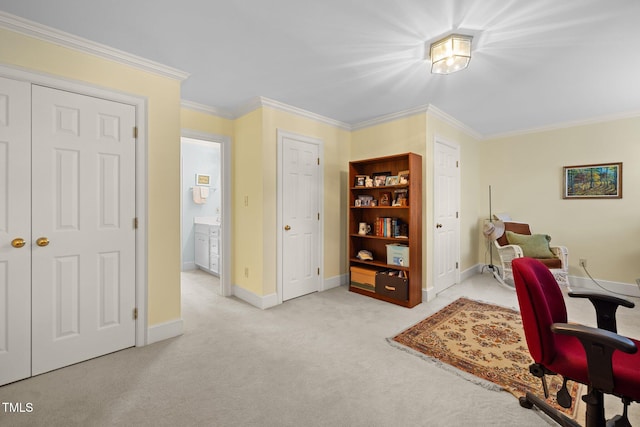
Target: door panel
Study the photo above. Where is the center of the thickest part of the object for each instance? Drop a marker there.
(15, 221)
(300, 213)
(84, 204)
(446, 216)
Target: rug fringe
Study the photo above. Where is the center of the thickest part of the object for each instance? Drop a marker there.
(462, 374)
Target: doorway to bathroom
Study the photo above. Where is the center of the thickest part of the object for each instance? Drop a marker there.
(205, 208)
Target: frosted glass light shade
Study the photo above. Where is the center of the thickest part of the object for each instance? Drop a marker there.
(450, 54)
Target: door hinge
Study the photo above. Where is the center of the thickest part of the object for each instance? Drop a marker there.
(135, 131)
(456, 214)
(456, 265)
(318, 271)
(457, 164)
(135, 223)
(318, 216)
(318, 160)
(135, 313)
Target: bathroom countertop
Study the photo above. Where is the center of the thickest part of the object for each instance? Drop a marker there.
(206, 220)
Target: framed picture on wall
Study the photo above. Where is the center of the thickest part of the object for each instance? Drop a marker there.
(202, 179)
(598, 181)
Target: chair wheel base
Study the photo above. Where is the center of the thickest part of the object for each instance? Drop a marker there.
(525, 403)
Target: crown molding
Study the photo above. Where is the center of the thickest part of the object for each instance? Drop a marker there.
(565, 125)
(42, 32)
(390, 117)
(251, 105)
(206, 109)
(438, 113)
(261, 101)
(429, 109)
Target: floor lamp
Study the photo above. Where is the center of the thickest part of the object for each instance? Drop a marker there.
(492, 230)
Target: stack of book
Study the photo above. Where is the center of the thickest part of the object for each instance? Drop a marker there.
(391, 227)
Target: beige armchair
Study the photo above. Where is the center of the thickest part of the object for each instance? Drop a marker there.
(558, 264)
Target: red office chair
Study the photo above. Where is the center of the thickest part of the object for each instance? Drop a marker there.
(605, 361)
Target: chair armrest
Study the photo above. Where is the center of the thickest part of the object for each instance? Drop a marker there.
(602, 297)
(596, 336)
(509, 252)
(606, 306)
(563, 253)
(559, 249)
(599, 346)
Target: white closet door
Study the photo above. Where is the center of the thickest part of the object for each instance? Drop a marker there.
(300, 213)
(83, 200)
(15, 223)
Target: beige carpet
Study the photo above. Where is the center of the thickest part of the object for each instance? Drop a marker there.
(484, 340)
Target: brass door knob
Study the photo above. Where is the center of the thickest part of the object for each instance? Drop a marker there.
(42, 241)
(18, 242)
(287, 227)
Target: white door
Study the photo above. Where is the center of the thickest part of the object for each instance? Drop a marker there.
(300, 217)
(446, 218)
(15, 223)
(83, 204)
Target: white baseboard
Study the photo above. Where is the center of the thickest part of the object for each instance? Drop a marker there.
(262, 302)
(470, 272)
(188, 266)
(584, 283)
(335, 282)
(267, 301)
(163, 331)
(430, 293)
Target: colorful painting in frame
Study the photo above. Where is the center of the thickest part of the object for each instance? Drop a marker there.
(601, 181)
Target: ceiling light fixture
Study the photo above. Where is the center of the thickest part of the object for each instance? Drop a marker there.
(450, 54)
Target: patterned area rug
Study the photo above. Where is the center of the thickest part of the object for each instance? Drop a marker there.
(484, 340)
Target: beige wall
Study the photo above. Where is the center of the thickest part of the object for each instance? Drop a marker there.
(417, 134)
(526, 176)
(335, 145)
(255, 172)
(163, 138)
(205, 122)
(247, 201)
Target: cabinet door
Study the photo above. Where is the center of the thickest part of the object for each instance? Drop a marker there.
(202, 250)
(214, 244)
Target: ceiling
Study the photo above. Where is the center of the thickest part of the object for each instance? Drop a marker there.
(535, 64)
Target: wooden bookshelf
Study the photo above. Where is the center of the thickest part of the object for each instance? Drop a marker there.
(404, 220)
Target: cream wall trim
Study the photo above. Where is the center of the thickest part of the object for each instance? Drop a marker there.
(334, 282)
(262, 302)
(261, 101)
(42, 32)
(166, 330)
(201, 108)
(584, 283)
(141, 174)
(595, 120)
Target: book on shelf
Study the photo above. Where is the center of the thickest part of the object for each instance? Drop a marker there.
(391, 227)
